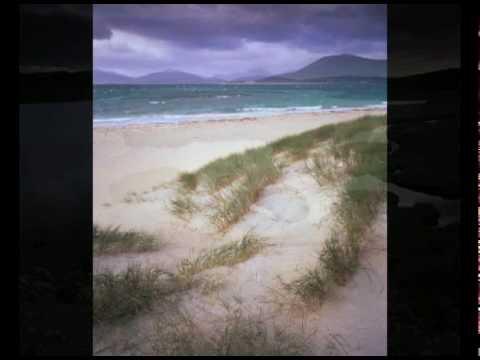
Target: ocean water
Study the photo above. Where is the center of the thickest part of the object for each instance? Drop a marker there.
(126, 104)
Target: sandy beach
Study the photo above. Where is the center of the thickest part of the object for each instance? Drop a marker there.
(135, 169)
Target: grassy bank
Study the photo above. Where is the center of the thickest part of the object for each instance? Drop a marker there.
(228, 254)
(125, 294)
(236, 182)
(359, 150)
(112, 240)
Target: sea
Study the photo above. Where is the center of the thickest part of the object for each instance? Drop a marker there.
(139, 104)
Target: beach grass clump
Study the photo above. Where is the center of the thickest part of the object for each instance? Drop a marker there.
(228, 254)
(111, 240)
(235, 182)
(298, 146)
(231, 205)
(125, 294)
(182, 205)
(189, 180)
(223, 172)
(237, 334)
(335, 264)
(311, 287)
(339, 260)
(324, 168)
(359, 201)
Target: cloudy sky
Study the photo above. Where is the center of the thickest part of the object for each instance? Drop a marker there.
(232, 40)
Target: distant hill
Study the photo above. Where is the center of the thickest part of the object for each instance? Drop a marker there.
(336, 66)
(346, 66)
(162, 77)
(108, 77)
(174, 77)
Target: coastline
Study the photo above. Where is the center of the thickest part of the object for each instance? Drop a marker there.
(242, 116)
(138, 157)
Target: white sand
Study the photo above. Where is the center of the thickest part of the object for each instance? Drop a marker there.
(292, 214)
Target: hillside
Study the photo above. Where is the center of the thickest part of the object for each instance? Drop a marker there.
(335, 66)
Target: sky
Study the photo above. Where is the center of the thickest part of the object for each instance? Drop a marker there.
(231, 41)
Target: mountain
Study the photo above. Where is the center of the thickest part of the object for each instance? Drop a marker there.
(335, 66)
(173, 77)
(162, 77)
(109, 77)
(346, 66)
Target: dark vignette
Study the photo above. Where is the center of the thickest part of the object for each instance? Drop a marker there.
(55, 179)
(425, 118)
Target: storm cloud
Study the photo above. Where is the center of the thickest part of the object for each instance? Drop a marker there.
(232, 40)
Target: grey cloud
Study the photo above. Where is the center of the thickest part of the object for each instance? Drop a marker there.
(223, 26)
(225, 39)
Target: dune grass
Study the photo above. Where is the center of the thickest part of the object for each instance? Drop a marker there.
(177, 334)
(298, 146)
(231, 205)
(228, 254)
(311, 286)
(361, 148)
(247, 174)
(324, 168)
(188, 180)
(224, 171)
(236, 181)
(112, 240)
(182, 205)
(122, 295)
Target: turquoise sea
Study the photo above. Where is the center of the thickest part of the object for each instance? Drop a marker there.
(127, 104)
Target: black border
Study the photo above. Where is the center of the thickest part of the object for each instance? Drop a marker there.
(425, 118)
(467, 256)
(470, 161)
(54, 129)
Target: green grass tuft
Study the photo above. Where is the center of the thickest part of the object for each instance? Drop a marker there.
(111, 240)
(230, 206)
(189, 180)
(229, 254)
(183, 205)
(311, 287)
(339, 260)
(117, 296)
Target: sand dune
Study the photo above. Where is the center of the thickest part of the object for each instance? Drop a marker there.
(292, 214)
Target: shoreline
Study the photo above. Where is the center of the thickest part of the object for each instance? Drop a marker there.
(140, 156)
(233, 117)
